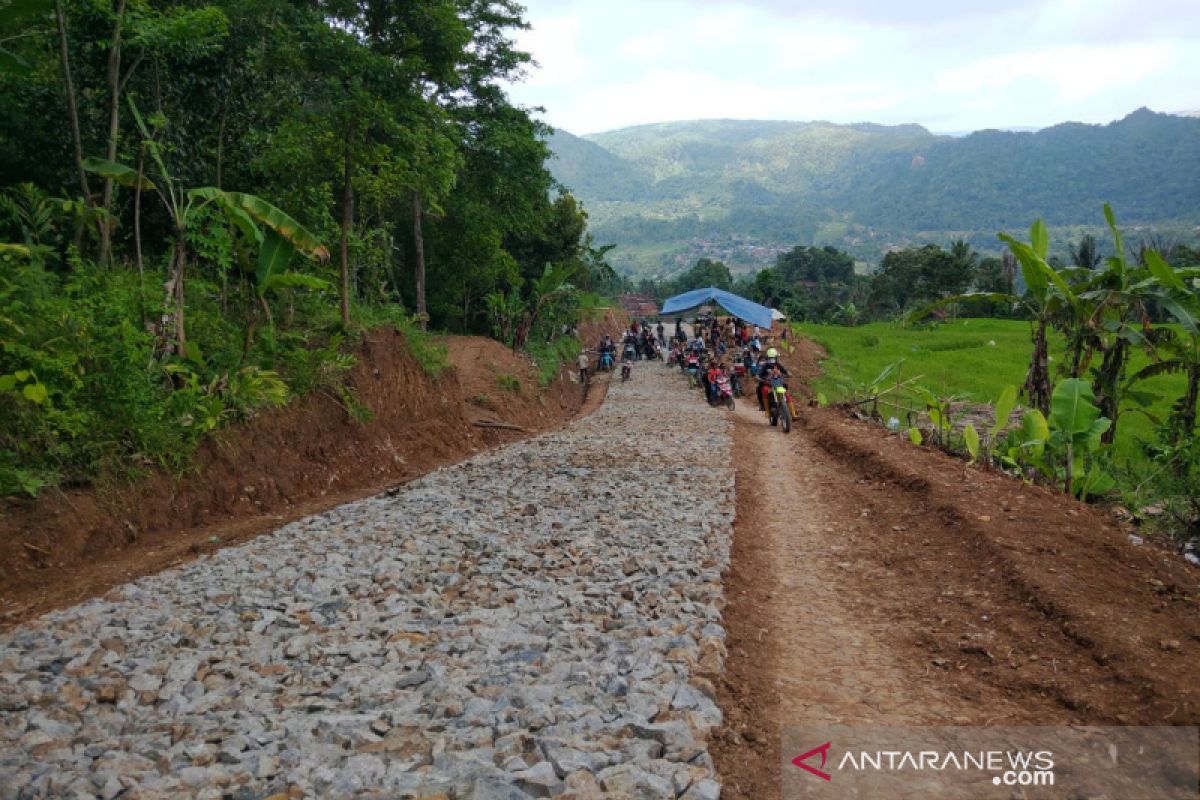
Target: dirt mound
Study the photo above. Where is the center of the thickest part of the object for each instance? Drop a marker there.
(287, 463)
(1108, 627)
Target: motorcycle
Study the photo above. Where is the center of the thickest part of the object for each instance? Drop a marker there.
(738, 380)
(692, 368)
(606, 361)
(780, 406)
(626, 371)
(724, 392)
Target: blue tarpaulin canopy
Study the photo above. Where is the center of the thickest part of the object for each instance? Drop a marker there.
(739, 306)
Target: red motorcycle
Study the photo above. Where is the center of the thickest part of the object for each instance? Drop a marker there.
(739, 379)
(724, 392)
(692, 367)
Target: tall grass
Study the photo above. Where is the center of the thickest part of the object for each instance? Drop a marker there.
(550, 356)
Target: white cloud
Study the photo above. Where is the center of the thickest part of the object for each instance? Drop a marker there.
(945, 64)
(721, 26)
(650, 47)
(792, 49)
(1075, 73)
(668, 95)
(554, 43)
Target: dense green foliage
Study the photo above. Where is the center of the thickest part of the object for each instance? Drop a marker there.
(973, 360)
(203, 204)
(1116, 336)
(737, 190)
(1115, 342)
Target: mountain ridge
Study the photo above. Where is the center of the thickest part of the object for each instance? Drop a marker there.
(670, 192)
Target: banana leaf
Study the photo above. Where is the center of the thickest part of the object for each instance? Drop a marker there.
(296, 280)
(125, 176)
(278, 221)
(1004, 406)
(274, 256)
(971, 439)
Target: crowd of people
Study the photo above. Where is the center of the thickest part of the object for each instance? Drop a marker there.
(728, 354)
(721, 356)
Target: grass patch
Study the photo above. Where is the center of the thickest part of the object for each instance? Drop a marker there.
(550, 356)
(976, 358)
(431, 355)
(509, 383)
(593, 306)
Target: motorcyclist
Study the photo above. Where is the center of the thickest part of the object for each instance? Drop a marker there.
(768, 368)
(715, 371)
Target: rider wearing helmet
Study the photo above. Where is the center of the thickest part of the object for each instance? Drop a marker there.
(768, 367)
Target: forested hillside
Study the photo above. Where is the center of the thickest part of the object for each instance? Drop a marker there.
(203, 204)
(742, 191)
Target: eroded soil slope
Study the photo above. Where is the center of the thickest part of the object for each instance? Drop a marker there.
(285, 464)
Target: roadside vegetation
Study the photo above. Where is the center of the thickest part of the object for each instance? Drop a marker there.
(201, 215)
(1094, 352)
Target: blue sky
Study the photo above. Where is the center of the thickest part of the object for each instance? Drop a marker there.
(951, 66)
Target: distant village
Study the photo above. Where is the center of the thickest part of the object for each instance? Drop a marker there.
(734, 250)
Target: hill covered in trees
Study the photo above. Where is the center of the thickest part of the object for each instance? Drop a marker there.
(743, 191)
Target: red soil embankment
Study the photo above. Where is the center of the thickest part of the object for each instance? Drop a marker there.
(65, 547)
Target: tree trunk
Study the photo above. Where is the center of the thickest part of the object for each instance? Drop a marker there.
(137, 234)
(1078, 345)
(72, 111)
(1183, 415)
(1009, 264)
(221, 139)
(347, 220)
(1037, 380)
(1106, 386)
(114, 126)
(419, 244)
(1069, 483)
(250, 305)
(177, 290)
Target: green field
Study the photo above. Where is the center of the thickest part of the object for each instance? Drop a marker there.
(974, 358)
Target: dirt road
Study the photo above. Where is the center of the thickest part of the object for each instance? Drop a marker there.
(867, 587)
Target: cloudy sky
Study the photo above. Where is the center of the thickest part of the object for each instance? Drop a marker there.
(951, 65)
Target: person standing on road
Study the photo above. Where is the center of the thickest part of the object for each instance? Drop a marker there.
(584, 364)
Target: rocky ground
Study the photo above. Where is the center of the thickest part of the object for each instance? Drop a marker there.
(540, 621)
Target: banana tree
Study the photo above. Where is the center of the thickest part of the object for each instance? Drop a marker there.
(1063, 448)
(985, 445)
(1116, 319)
(1077, 427)
(554, 283)
(1048, 297)
(276, 234)
(1176, 292)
